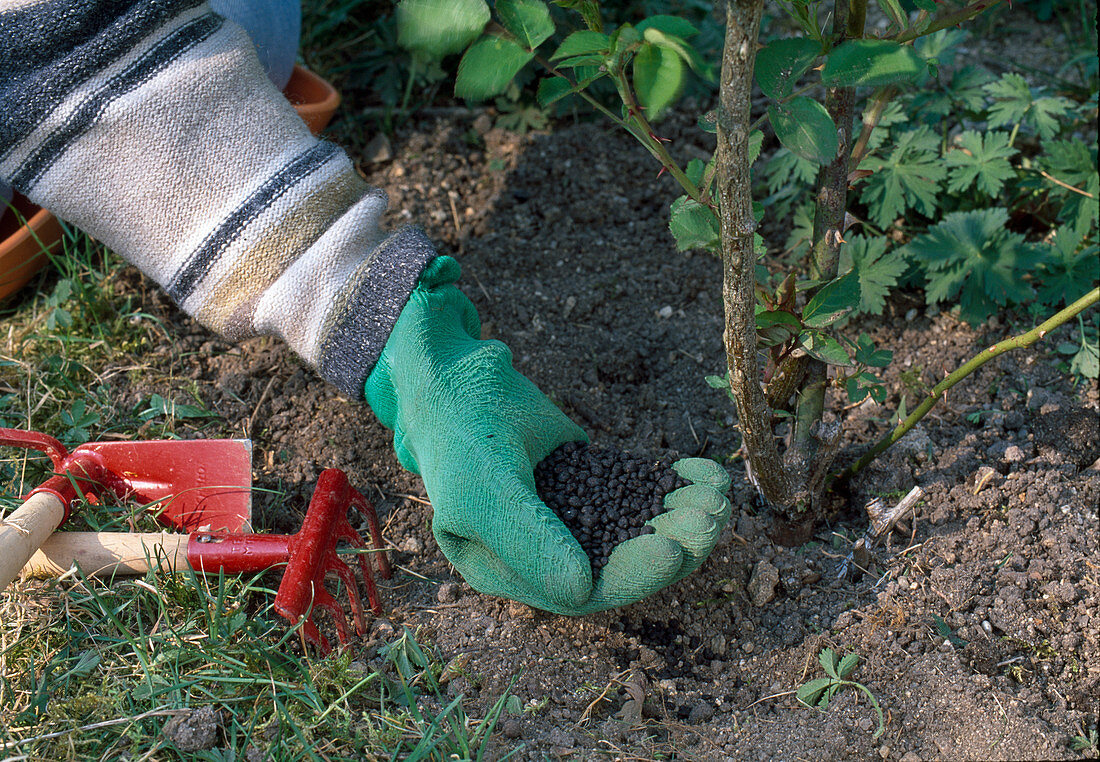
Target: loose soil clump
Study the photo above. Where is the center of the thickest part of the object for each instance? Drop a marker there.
(604, 496)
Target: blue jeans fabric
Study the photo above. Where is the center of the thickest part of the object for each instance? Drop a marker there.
(275, 27)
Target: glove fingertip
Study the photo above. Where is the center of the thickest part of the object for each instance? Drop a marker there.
(702, 497)
(440, 271)
(637, 568)
(695, 530)
(703, 471)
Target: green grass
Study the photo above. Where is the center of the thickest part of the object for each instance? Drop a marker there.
(92, 670)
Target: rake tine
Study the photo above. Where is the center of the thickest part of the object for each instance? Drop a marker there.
(343, 571)
(346, 532)
(309, 629)
(323, 599)
(366, 508)
(313, 635)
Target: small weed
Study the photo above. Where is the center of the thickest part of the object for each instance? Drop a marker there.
(977, 416)
(946, 633)
(817, 692)
(1085, 740)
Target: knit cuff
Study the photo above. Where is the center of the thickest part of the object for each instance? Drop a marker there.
(360, 324)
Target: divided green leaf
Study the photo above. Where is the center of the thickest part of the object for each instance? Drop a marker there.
(970, 259)
(1070, 269)
(847, 665)
(829, 661)
(782, 62)
(812, 692)
(909, 178)
(805, 128)
(1015, 102)
(802, 230)
(860, 386)
(1075, 164)
(871, 63)
(756, 142)
(488, 66)
(1086, 362)
(876, 268)
(434, 29)
(980, 160)
(528, 20)
(866, 354)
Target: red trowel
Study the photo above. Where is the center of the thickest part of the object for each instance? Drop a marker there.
(191, 485)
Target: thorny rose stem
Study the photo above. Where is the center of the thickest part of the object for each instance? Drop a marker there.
(1023, 340)
(738, 256)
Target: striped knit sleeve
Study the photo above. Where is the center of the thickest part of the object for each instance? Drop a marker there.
(151, 125)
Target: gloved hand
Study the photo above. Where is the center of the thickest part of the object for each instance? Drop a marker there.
(474, 429)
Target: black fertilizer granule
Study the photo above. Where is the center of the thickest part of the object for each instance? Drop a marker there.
(604, 496)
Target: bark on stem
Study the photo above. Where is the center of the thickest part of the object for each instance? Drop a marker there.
(832, 202)
(738, 256)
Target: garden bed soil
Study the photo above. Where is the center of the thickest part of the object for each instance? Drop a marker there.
(976, 623)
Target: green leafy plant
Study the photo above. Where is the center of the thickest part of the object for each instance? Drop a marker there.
(1085, 740)
(928, 180)
(157, 406)
(971, 260)
(818, 692)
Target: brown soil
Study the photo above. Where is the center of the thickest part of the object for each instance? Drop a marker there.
(564, 243)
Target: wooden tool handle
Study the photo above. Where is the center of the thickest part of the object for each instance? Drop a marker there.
(103, 554)
(23, 532)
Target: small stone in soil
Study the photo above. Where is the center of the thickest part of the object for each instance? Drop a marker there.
(604, 496)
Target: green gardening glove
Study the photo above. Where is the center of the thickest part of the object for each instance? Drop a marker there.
(474, 429)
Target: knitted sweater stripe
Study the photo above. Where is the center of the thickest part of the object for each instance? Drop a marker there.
(231, 291)
(153, 62)
(49, 55)
(282, 182)
(166, 141)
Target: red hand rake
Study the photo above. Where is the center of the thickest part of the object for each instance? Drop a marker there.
(309, 556)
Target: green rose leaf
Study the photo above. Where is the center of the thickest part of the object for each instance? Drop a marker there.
(488, 66)
(528, 20)
(782, 62)
(823, 347)
(693, 225)
(584, 43)
(775, 327)
(871, 63)
(658, 77)
(433, 29)
(805, 128)
(835, 300)
(673, 25)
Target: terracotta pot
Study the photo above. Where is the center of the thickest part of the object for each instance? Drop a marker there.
(313, 98)
(21, 246)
